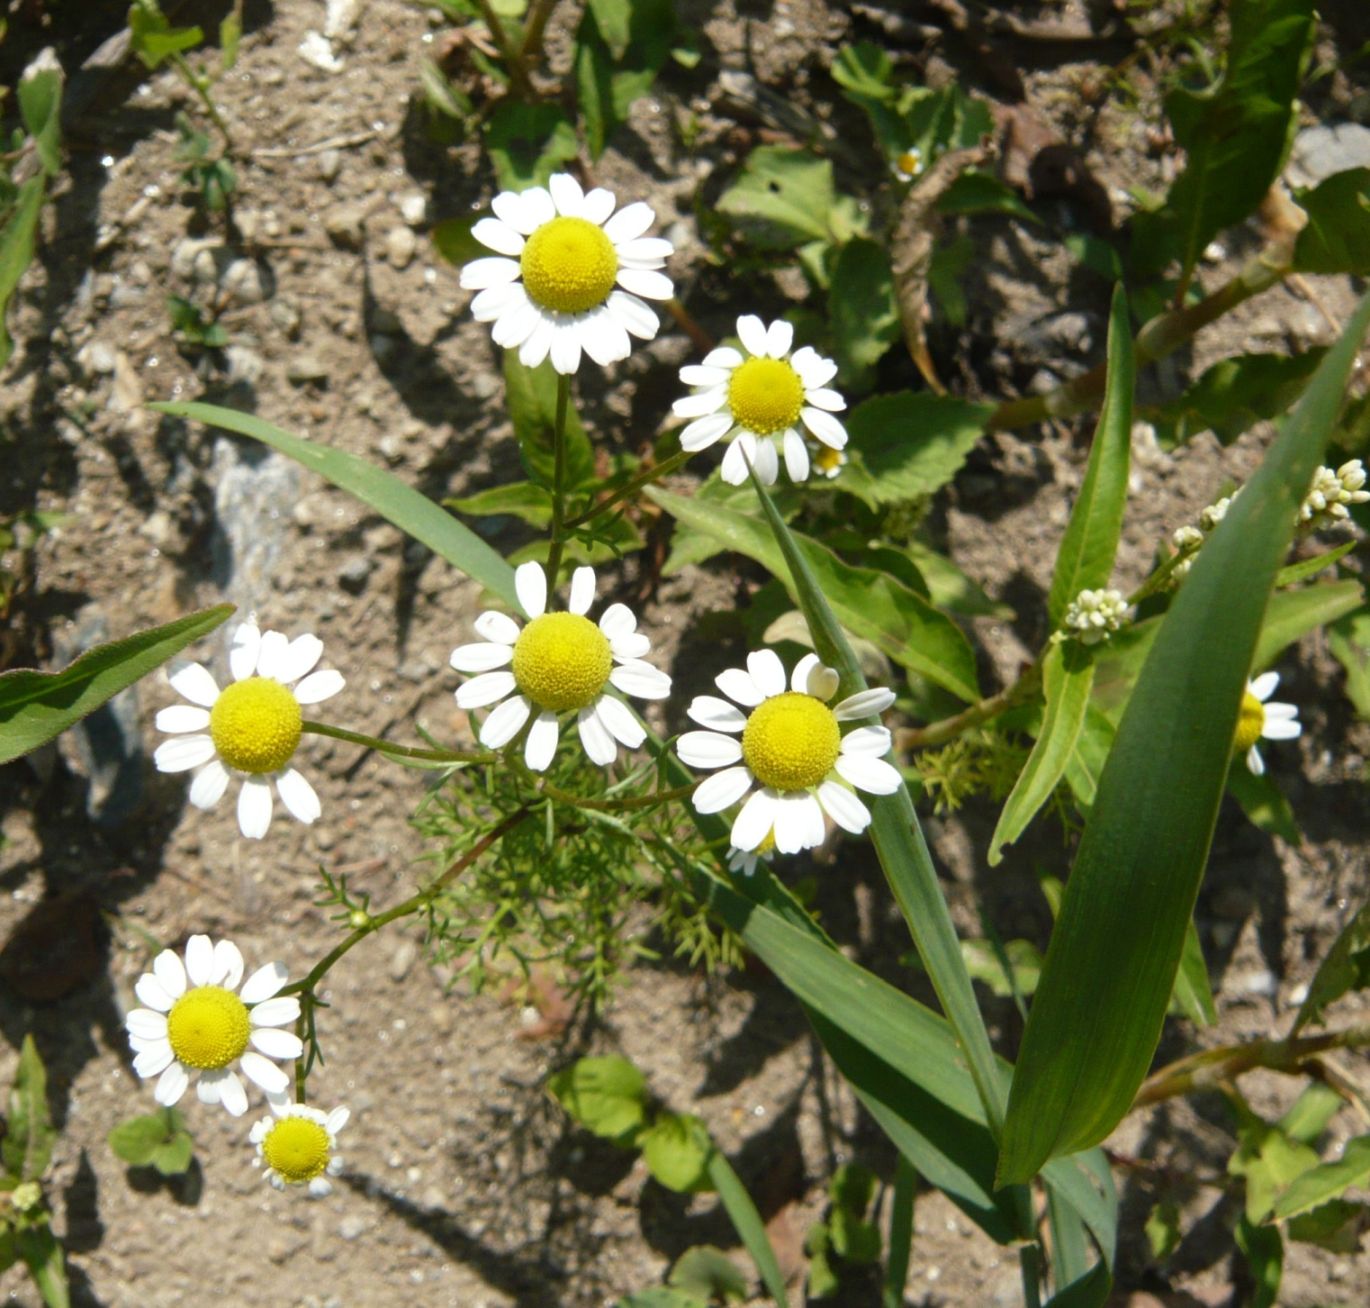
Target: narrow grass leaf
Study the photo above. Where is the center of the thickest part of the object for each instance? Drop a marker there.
(1193, 994)
(393, 499)
(1110, 967)
(748, 1225)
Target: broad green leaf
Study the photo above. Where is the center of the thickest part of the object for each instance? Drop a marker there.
(42, 1253)
(36, 706)
(1085, 559)
(393, 499)
(1349, 640)
(620, 48)
(1193, 994)
(865, 322)
(1090, 1291)
(1263, 802)
(676, 1148)
(1264, 1252)
(709, 1273)
(16, 252)
(607, 1096)
(1163, 1230)
(1235, 394)
(1110, 967)
(987, 965)
(1067, 678)
(976, 192)
(173, 1158)
(901, 1233)
(1270, 1161)
(869, 604)
(594, 85)
(230, 35)
(781, 198)
(531, 394)
(158, 1140)
(519, 499)
(1311, 1113)
(950, 588)
(1337, 237)
(153, 39)
(1345, 968)
(1326, 1181)
(527, 143)
(910, 444)
(1294, 613)
(27, 1145)
(737, 1203)
(40, 105)
(1087, 759)
(1336, 1226)
(613, 18)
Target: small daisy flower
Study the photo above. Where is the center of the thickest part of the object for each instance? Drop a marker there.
(1094, 615)
(791, 746)
(908, 164)
(1259, 719)
(197, 1020)
(568, 274)
(828, 462)
(1326, 501)
(744, 861)
(757, 397)
(253, 727)
(559, 662)
(297, 1144)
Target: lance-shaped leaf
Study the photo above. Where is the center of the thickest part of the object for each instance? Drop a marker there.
(1326, 1181)
(27, 1146)
(1110, 967)
(36, 706)
(392, 498)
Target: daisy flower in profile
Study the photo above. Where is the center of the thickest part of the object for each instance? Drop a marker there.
(559, 663)
(744, 861)
(1259, 719)
(789, 744)
(758, 395)
(297, 1144)
(568, 274)
(252, 727)
(828, 462)
(197, 1020)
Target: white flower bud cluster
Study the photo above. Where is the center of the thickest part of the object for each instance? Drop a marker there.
(1325, 504)
(1216, 512)
(1094, 615)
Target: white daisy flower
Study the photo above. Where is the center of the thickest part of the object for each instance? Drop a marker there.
(758, 396)
(908, 164)
(559, 662)
(568, 274)
(197, 1020)
(744, 861)
(1259, 719)
(792, 746)
(297, 1144)
(828, 462)
(253, 727)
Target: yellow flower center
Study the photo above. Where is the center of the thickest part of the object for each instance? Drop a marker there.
(297, 1149)
(1250, 721)
(208, 1027)
(561, 661)
(910, 162)
(255, 725)
(828, 460)
(791, 741)
(765, 395)
(569, 265)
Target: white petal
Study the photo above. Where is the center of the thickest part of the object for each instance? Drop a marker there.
(737, 685)
(271, 654)
(266, 1074)
(505, 722)
(538, 208)
(320, 1188)
(867, 740)
(170, 971)
(630, 647)
(696, 374)
(798, 823)
(299, 658)
(499, 627)
(734, 469)
(1255, 762)
(813, 369)
(530, 585)
(200, 960)
(597, 206)
(494, 271)
(181, 753)
(482, 657)
(1277, 710)
(641, 680)
(617, 620)
(723, 356)
(619, 719)
(228, 965)
(629, 222)
(277, 1044)
(766, 463)
(872, 775)
(645, 252)
(180, 718)
(1264, 685)
(716, 714)
(754, 823)
(722, 790)
(504, 306)
(172, 1085)
(151, 1062)
(642, 281)
(598, 741)
(319, 686)
(541, 744)
(1281, 729)
(194, 683)
(486, 689)
(566, 194)
(152, 992)
(232, 1095)
(752, 333)
(254, 808)
(708, 749)
(242, 653)
(823, 398)
(796, 457)
(209, 1089)
(768, 672)
(281, 1011)
(582, 591)
(298, 796)
(340, 1116)
(208, 787)
(508, 207)
(603, 337)
(566, 348)
(824, 426)
(146, 1023)
(701, 403)
(632, 314)
(265, 982)
(779, 338)
(534, 350)
(799, 676)
(864, 703)
(843, 807)
(498, 236)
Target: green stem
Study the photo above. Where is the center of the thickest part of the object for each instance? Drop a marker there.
(938, 733)
(1029, 1267)
(644, 478)
(558, 482)
(531, 48)
(200, 85)
(399, 751)
(512, 56)
(901, 1233)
